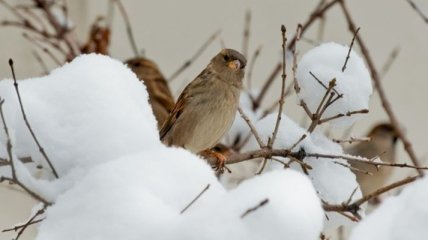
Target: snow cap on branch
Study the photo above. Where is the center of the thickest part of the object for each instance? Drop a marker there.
(325, 62)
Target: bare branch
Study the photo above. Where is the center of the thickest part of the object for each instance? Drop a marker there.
(195, 56)
(378, 84)
(319, 11)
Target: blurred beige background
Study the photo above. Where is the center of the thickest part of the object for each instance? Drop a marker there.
(170, 32)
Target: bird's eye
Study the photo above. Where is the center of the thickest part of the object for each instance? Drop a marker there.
(226, 58)
(136, 64)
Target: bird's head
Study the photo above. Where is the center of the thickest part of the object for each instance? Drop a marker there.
(384, 132)
(144, 68)
(230, 62)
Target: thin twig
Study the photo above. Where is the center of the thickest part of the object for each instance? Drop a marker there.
(246, 38)
(352, 140)
(293, 51)
(419, 11)
(8, 143)
(353, 168)
(378, 85)
(17, 227)
(195, 56)
(250, 210)
(29, 222)
(354, 207)
(281, 99)
(249, 74)
(316, 14)
(14, 178)
(252, 128)
(44, 49)
(128, 27)
(349, 51)
(24, 116)
(351, 158)
(41, 62)
(387, 65)
(348, 114)
(266, 85)
(195, 199)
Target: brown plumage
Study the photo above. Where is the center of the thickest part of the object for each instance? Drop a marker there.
(160, 96)
(207, 106)
(383, 140)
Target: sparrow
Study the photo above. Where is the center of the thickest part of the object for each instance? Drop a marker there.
(383, 142)
(160, 97)
(99, 38)
(206, 108)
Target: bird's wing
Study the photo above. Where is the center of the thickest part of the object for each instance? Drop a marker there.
(182, 101)
(174, 115)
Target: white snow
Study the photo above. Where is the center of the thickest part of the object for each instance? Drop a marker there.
(239, 130)
(403, 217)
(141, 196)
(325, 62)
(334, 183)
(118, 181)
(86, 112)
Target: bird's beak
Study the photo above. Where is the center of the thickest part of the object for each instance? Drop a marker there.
(234, 65)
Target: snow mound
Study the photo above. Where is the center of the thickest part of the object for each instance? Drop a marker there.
(141, 197)
(403, 217)
(326, 62)
(334, 183)
(91, 110)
